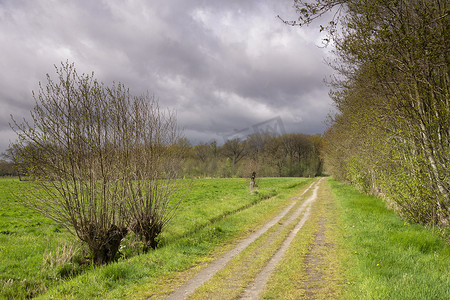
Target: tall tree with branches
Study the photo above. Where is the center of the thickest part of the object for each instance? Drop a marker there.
(393, 56)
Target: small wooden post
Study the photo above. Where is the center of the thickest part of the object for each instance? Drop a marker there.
(252, 182)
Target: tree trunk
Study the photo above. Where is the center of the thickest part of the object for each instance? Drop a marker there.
(104, 250)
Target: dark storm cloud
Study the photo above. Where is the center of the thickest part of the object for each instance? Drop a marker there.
(222, 65)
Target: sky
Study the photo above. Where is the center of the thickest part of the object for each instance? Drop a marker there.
(226, 67)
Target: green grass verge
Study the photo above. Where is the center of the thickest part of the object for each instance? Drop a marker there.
(213, 214)
(391, 259)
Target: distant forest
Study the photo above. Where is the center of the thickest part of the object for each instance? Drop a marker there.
(288, 155)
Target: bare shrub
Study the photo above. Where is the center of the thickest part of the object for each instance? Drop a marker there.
(92, 151)
(151, 176)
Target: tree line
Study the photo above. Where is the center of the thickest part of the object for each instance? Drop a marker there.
(288, 155)
(7, 168)
(269, 155)
(391, 134)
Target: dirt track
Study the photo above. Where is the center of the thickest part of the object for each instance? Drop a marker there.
(297, 212)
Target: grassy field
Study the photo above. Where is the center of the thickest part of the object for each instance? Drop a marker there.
(358, 248)
(25, 239)
(37, 255)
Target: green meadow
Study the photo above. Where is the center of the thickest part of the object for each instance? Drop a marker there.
(37, 255)
(375, 253)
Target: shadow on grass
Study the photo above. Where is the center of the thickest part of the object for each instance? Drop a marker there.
(260, 197)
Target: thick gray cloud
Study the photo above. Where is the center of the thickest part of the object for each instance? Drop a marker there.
(222, 65)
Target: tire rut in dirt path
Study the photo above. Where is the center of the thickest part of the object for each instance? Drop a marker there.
(206, 274)
(322, 277)
(313, 261)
